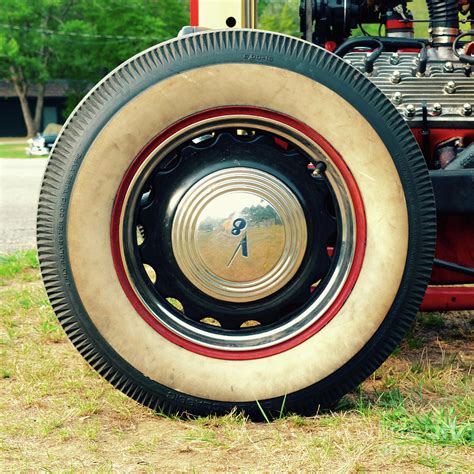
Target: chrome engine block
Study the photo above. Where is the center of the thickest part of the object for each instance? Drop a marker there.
(446, 87)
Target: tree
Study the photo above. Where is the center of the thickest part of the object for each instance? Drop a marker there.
(280, 15)
(26, 54)
(80, 40)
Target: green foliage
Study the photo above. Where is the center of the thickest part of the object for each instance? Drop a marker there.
(145, 22)
(79, 40)
(76, 92)
(48, 38)
(280, 16)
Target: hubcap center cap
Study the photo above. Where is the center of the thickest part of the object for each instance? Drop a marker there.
(239, 234)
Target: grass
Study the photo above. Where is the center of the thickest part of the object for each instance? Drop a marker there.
(414, 414)
(13, 151)
(438, 425)
(21, 264)
(16, 150)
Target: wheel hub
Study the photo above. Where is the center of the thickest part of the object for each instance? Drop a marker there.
(239, 234)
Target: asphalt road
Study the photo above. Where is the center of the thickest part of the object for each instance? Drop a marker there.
(20, 181)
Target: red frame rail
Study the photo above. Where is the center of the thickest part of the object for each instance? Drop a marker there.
(448, 298)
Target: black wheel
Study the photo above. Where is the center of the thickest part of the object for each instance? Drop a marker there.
(236, 216)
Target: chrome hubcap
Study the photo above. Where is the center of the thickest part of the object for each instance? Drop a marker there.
(239, 234)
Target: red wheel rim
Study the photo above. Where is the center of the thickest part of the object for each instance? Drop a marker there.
(331, 312)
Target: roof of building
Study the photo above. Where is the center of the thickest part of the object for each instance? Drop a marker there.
(56, 88)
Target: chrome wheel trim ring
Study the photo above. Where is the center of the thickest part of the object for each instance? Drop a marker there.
(313, 312)
(230, 257)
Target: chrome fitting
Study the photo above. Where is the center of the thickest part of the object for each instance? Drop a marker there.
(448, 67)
(450, 87)
(395, 58)
(466, 110)
(410, 111)
(436, 109)
(443, 35)
(397, 98)
(396, 77)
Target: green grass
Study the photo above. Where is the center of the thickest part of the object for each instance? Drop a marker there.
(437, 425)
(56, 414)
(17, 264)
(13, 151)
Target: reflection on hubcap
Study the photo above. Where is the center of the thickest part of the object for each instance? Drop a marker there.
(239, 234)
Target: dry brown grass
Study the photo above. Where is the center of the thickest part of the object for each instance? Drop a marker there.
(56, 414)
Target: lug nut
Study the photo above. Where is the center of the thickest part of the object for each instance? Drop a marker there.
(410, 111)
(395, 58)
(466, 109)
(397, 98)
(396, 77)
(449, 67)
(436, 109)
(450, 87)
(319, 169)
